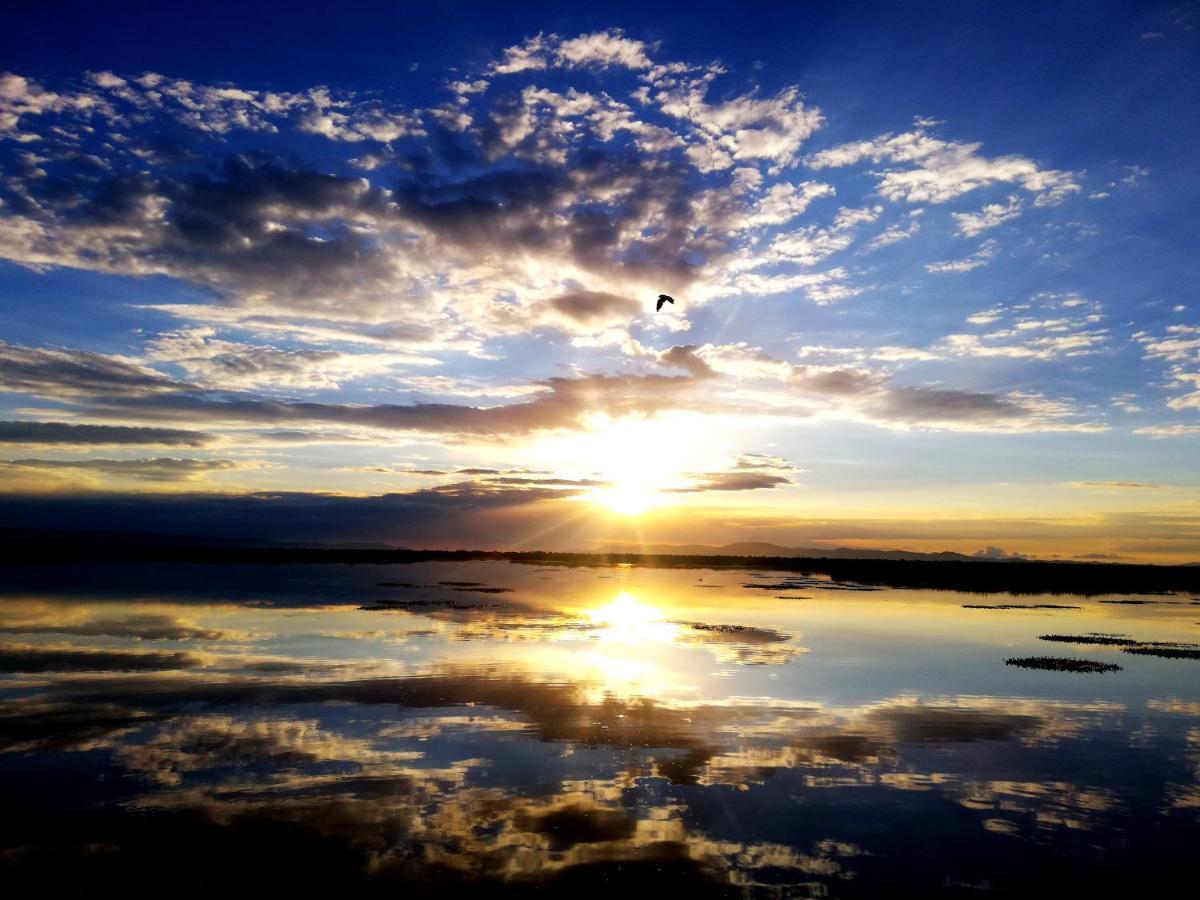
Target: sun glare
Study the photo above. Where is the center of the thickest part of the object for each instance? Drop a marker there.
(642, 462)
(627, 620)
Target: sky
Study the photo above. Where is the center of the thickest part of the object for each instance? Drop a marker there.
(378, 272)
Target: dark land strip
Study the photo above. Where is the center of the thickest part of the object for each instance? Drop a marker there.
(1015, 577)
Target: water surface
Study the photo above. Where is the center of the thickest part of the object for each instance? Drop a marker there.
(505, 729)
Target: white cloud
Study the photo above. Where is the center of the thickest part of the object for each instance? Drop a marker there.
(229, 365)
(894, 234)
(926, 169)
(604, 48)
(980, 257)
(971, 224)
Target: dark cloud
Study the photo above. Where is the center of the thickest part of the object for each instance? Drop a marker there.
(594, 307)
(161, 469)
(948, 724)
(733, 481)
(684, 357)
(14, 432)
(460, 513)
(925, 404)
(141, 626)
(562, 404)
(60, 373)
(29, 658)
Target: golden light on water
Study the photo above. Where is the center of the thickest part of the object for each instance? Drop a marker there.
(624, 659)
(626, 620)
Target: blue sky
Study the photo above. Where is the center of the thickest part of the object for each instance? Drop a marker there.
(935, 262)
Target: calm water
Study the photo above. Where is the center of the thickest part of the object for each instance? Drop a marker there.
(507, 729)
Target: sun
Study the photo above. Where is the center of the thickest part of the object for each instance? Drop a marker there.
(640, 463)
(627, 499)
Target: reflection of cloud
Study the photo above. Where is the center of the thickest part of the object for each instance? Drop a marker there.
(407, 774)
(34, 658)
(143, 626)
(209, 742)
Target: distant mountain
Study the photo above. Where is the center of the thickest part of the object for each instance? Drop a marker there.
(763, 548)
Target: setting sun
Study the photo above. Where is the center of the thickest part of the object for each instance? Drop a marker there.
(641, 462)
(627, 499)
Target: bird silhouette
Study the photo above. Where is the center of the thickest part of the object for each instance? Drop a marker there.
(663, 298)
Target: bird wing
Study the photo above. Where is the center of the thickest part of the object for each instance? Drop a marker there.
(661, 301)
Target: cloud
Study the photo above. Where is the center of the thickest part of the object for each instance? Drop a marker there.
(684, 357)
(228, 365)
(733, 481)
(998, 553)
(161, 469)
(140, 626)
(62, 433)
(603, 48)
(1173, 429)
(31, 658)
(538, 194)
(894, 235)
(553, 193)
(560, 403)
(518, 204)
(1115, 485)
(1180, 347)
(65, 374)
(980, 257)
(587, 310)
(971, 224)
(925, 169)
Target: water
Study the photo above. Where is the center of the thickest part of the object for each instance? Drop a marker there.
(492, 728)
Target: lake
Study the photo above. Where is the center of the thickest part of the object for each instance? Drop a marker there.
(491, 728)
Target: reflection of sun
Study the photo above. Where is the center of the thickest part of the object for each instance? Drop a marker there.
(626, 620)
(626, 659)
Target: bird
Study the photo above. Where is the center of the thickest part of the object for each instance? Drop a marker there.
(663, 298)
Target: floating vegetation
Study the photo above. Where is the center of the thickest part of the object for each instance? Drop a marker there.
(477, 587)
(1132, 602)
(1166, 650)
(385, 605)
(1017, 606)
(801, 584)
(1104, 640)
(741, 630)
(1062, 664)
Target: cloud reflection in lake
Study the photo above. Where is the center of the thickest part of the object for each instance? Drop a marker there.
(385, 729)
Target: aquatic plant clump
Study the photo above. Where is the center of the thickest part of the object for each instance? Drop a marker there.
(1166, 651)
(1018, 606)
(1103, 640)
(1062, 664)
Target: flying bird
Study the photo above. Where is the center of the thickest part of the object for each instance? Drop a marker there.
(663, 298)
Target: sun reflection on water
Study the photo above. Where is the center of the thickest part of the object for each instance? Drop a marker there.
(627, 620)
(625, 659)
